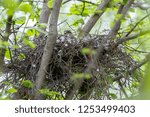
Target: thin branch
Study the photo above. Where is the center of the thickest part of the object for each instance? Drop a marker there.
(131, 37)
(44, 16)
(134, 67)
(94, 18)
(132, 29)
(84, 1)
(122, 89)
(23, 32)
(117, 24)
(136, 50)
(142, 6)
(83, 8)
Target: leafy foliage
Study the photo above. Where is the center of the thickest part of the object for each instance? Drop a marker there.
(20, 26)
(51, 94)
(27, 84)
(27, 8)
(12, 90)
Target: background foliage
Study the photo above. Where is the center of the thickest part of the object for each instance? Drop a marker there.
(20, 26)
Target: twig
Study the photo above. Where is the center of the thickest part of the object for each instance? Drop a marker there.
(132, 29)
(131, 37)
(134, 68)
(21, 38)
(84, 1)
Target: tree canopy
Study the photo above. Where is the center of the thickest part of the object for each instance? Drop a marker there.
(74, 49)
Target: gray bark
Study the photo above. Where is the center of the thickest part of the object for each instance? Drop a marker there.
(52, 36)
(94, 18)
(44, 16)
(123, 13)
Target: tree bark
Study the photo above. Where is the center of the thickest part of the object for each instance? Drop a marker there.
(123, 13)
(6, 38)
(94, 18)
(44, 16)
(52, 36)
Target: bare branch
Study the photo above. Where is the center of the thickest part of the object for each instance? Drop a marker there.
(122, 89)
(84, 1)
(123, 13)
(44, 16)
(141, 5)
(134, 67)
(52, 36)
(131, 37)
(94, 18)
(132, 29)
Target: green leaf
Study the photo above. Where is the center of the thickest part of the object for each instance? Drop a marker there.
(113, 96)
(31, 44)
(47, 92)
(31, 32)
(8, 83)
(1, 23)
(125, 2)
(88, 51)
(10, 12)
(12, 90)
(40, 30)
(98, 11)
(81, 76)
(132, 10)
(81, 9)
(77, 22)
(27, 8)
(15, 46)
(135, 84)
(8, 54)
(35, 31)
(21, 56)
(20, 20)
(27, 84)
(42, 25)
(145, 88)
(4, 44)
(112, 24)
(50, 4)
(118, 16)
(10, 5)
(144, 32)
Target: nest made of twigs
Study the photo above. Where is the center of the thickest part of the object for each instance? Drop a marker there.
(68, 59)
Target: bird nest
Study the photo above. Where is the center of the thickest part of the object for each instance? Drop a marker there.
(69, 59)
